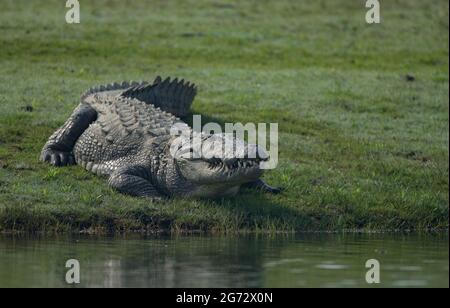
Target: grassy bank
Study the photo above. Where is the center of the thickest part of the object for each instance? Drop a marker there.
(361, 145)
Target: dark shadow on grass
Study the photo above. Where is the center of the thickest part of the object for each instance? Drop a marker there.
(256, 211)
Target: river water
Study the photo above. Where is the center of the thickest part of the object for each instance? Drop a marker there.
(305, 260)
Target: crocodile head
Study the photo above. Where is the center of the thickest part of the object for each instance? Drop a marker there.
(218, 164)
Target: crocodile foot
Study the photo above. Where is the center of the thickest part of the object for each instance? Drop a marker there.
(57, 158)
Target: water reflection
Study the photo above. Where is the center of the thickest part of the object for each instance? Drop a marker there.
(252, 261)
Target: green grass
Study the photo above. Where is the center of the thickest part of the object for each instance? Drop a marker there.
(360, 146)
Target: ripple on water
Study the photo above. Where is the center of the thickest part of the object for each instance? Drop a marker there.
(409, 283)
(282, 262)
(331, 266)
(297, 271)
(410, 268)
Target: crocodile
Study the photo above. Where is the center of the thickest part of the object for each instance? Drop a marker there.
(123, 131)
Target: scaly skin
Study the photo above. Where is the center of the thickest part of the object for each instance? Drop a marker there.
(122, 131)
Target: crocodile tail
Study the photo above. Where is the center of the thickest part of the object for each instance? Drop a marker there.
(172, 96)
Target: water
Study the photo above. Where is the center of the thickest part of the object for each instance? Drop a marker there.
(219, 261)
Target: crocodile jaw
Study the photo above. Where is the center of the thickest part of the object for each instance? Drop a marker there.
(220, 172)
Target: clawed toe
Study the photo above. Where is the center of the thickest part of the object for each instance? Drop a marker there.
(276, 190)
(57, 158)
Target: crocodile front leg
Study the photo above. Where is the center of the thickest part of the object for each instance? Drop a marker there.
(58, 149)
(134, 181)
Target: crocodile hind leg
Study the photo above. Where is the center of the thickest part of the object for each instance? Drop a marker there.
(260, 185)
(58, 149)
(134, 181)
